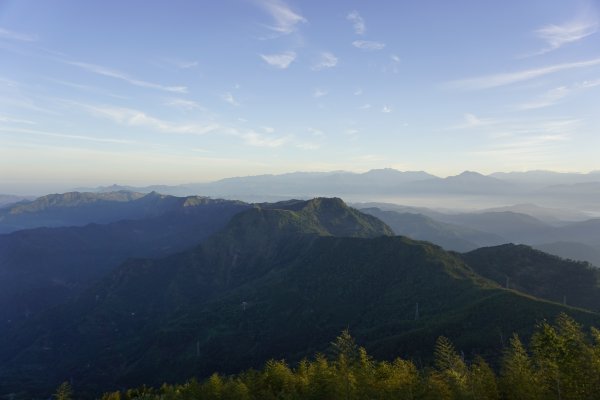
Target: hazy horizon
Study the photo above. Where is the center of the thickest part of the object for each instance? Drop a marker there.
(45, 187)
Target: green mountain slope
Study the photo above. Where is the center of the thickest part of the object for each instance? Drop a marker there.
(539, 274)
(276, 283)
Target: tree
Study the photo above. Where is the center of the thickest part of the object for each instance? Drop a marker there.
(451, 366)
(519, 380)
(482, 381)
(345, 345)
(64, 392)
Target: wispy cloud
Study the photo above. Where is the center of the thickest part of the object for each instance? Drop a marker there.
(393, 65)
(86, 88)
(556, 95)
(319, 93)
(4, 118)
(64, 135)
(281, 61)
(184, 104)
(358, 23)
(285, 20)
(20, 100)
(136, 118)
(12, 35)
(503, 79)
(386, 109)
(365, 106)
(326, 60)
(256, 139)
(558, 35)
(549, 98)
(184, 64)
(473, 121)
(228, 97)
(589, 84)
(358, 92)
(528, 141)
(100, 70)
(368, 45)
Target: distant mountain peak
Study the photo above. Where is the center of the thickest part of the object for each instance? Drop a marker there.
(470, 173)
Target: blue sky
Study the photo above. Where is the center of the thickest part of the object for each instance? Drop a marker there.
(142, 92)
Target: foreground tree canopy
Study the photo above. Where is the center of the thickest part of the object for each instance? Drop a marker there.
(561, 362)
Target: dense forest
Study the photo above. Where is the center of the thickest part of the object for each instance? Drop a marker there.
(562, 361)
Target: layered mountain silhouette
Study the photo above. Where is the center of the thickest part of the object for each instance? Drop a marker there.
(7, 200)
(576, 191)
(78, 209)
(447, 235)
(43, 267)
(279, 281)
(465, 231)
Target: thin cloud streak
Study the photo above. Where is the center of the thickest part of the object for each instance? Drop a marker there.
(256, 139)
(65, 136)
(554, 96)
(4, 118)
(550, 98)
(284, 18)
(100, 70)
(368, 45)
(558, 35)
(504, 79)
(184, 104)
(281, 61)
(136, 118)
(12, 35)
(184, 64)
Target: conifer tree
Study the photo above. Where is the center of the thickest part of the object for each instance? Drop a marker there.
(64, 392)
(519, 380)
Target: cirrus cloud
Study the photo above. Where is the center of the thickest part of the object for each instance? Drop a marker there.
(368, 45)
(281, 61)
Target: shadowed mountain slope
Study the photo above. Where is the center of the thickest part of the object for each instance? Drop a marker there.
(42, 267)
(539, 274)
(274, 283)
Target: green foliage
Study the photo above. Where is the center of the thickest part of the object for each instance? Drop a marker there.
(563, 364)
(538, 274)
(64, 392)
(279, 280)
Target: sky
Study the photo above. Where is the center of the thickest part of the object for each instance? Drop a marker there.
(149, 92)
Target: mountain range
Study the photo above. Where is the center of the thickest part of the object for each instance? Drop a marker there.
(465, 231)
(575, 191)
(45, 266)
(279, 281)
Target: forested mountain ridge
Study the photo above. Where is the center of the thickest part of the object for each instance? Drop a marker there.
(466, 231)
(274, 283)
(81, 208)
(43, 267)
(560, 361)
(539, 274)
